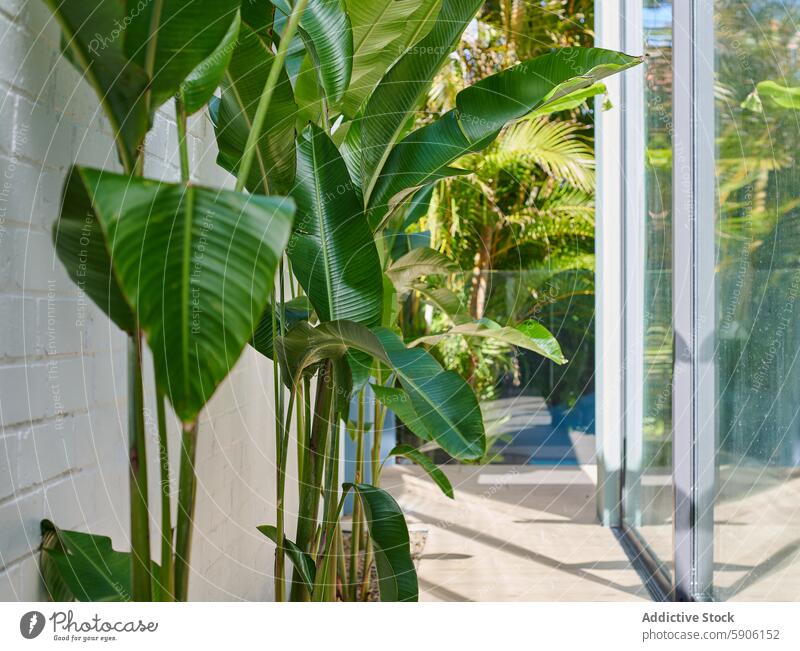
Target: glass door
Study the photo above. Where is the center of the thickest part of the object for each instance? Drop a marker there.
(647, 501)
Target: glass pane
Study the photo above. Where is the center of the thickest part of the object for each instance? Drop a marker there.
(648, 460)
(757, 512)
(537, 412)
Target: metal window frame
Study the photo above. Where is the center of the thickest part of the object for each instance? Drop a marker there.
(609, 277)
(620, 292)
(693, 309)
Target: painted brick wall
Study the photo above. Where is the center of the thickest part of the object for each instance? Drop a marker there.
(62, 363)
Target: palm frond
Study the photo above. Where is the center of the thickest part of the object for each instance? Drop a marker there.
(556, 147)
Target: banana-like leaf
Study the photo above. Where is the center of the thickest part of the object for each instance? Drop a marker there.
(383, 30)
(416, 263)
(386, 113)
(483, 109)
(397, 576)
(274, 161)
(390, 306)
(397, 400)
(325, 30)
(307, 94)
(418, 207)
(83, 567)
(196, 265)
(332, 250)
(303, 563)
(199, 86)
(82, 248)
(445, 300)
(259, 16)
(88, 30)
(425, 462)
(296, 310)
(441, 399)
(787, 97)
(529, 335)
(182, 36)
(571, 100)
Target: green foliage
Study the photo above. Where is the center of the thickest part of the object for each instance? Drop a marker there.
(422, 460)
(397, 578)
(84, 567)
(332, 250)
(319, 100)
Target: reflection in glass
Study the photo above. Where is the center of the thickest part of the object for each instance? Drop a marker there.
(757, 512)
(647, 506)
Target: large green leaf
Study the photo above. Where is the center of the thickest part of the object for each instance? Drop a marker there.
(397, 577)
(83, 567)
(483, 109)
(274, 163)
(181, 35)
(445, 300)
(325, 30)
(91, 39)
(303, 563)
(332, 250)
(422, 261)
(386, 113)
(197, 266)
(530, 335)
(199, 86)
(82, 248)
(441, 399)
(286, 315)
(424, 462)
(397, 400)
(259, 16)
(383, 30)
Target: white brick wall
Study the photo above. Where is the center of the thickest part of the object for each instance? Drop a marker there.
(62, 386)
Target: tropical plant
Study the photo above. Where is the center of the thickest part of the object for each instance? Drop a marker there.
(188, 269)
(317, 100)
(522, 220)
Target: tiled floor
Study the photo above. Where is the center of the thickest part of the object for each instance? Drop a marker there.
(756, 532)
(513, 533)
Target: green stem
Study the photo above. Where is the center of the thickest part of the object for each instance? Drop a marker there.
(141, 564)
(266, 94)
(332, 501)
(141, 579)
(187, 490)
(167, 575)
(149, 69)
(375, 472)
(311, 477)
(282, 425)
(355, 534)
(280, 557)
(180, 119)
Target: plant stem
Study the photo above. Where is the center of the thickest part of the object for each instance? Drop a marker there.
(282, 424)
(377, 436)
(311, 477)
(187, 489)
(375, 473)
(331, 492)
(167, 575)
(180, 119)
(141, 580)
(355, 534)
(280, 572)
(266, 94)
